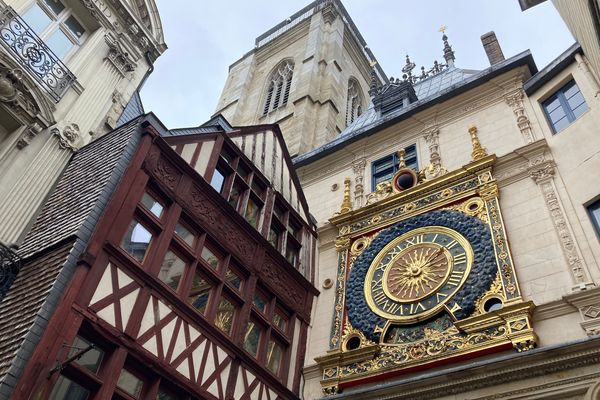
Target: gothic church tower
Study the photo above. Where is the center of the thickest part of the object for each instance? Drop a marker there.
(310, 74)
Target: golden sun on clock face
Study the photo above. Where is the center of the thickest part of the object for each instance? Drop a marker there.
(416, 274)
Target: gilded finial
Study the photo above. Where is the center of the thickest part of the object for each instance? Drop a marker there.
(443, 29)
(401, 161)
(346, 203)
(478, 151)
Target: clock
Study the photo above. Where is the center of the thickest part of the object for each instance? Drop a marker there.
(422, 272)
(417, 273)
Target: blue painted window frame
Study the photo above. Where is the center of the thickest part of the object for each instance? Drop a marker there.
(384, 169)
(564, 106)
(594, 212)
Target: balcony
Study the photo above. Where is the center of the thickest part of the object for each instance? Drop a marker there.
(33, 54)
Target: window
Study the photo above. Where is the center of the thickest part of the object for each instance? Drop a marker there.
(91, 359)
(564, 106)
(69, 384)
(171, 270)
(594, 211)
(152, 205)
(267, 337)
(353, 102)
(384, 169)
(137, 240)
(56, 25)
(286, 233)
(130, 383)
(278, 90)
(65, 388)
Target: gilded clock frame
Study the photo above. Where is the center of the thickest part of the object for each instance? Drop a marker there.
(472, 190)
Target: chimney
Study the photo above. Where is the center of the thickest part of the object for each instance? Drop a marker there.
(492, 48)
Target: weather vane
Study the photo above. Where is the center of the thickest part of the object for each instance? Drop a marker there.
(443, 29)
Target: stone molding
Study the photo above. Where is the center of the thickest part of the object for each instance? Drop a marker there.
(118, 105)
(28, 134)
(358, 167)
(491, 372)
(69, 137)
(542, 172)
(588, 304)
(116, 17)
(432, 137)
(514, 99)
(119, 55)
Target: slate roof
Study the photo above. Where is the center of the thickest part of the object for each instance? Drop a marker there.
(447, 84)
(81, 184)
(24, 301)
(552, 69)
(133, 109)
(58, 237)
(216, 124)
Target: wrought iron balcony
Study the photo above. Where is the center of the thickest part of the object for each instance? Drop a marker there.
(10, 264)
(33, 54)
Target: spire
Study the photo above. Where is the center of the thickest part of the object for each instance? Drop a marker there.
(346, 203)
(373, 86)
(478, 151)
(448, 53)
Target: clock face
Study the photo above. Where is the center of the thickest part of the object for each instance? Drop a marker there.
(422, 272)
(416, 274)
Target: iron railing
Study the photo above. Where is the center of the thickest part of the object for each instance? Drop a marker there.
(33, 54)
(10, 264)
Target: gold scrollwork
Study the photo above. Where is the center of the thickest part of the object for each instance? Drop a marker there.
(353, 338)
(474, 207)
(342, 243)
(495, 291)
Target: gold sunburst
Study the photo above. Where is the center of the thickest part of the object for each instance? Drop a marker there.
(417, 272)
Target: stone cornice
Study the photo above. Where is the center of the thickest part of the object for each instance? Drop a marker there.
(115, 16)
(515, 166)
(483, 374)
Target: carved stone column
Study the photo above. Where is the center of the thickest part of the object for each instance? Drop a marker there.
(542, 173)
(358, 167)
(435, 169)
(514, 99)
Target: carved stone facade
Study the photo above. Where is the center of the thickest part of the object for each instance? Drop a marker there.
(535, 199)
(515, 100)
(41, 105)
(542, 172)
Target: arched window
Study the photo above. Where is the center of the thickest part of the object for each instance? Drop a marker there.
(353, 105)
(278, 91)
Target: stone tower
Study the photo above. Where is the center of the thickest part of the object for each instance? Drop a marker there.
(310, 74)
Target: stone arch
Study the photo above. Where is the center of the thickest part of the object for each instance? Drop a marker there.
(148, 13)
(593, 392)
(23, 103)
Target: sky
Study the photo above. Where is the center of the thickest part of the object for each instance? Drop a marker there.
(205, 37)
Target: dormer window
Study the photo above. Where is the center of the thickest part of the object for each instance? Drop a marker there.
(354, 101)
(278, 90)
(56, 25)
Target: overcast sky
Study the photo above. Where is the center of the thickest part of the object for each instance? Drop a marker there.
(204, 37)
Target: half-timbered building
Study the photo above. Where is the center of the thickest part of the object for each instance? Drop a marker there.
(166, 264)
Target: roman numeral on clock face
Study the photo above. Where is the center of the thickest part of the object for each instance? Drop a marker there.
(460, 258)
(416, 240)
(455, 278)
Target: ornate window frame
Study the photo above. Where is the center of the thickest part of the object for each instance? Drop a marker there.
(278, 86)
